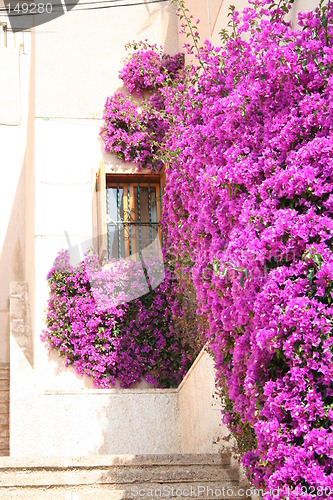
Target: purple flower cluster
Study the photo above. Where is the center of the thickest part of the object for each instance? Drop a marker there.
(148, 67)
(249, 210)
(133, 133)
(96, 325)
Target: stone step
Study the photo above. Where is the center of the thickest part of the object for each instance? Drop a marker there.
(101, 492)
(4, 447)
(4, 385)
(97, 461)
(4, 419)
(4, 397)
(117, 475)
(4, 372)
(4, 431)
(123, 476)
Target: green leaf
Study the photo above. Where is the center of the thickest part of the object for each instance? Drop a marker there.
(224, 272)
(216, 267)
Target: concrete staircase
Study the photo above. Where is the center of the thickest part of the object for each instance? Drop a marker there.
(122, 476)
(4, 410)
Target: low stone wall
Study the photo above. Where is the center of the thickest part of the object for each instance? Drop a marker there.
(200, 409)
(54, 412)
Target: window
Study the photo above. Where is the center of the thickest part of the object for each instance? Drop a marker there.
(126, 214)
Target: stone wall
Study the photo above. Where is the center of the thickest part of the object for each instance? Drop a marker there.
(50, 418)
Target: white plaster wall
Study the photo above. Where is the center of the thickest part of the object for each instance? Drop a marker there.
(79, 55)
(14, 111)
(65, 153)
(53, 410)
(10, 85)
(78, 421)
(200, 409)
(84, 422)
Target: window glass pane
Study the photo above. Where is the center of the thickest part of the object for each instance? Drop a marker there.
(145, 216)
(115, 212)
(116, 245)
(128, 239)
(153, 204)
(111, 200)
(144, 203)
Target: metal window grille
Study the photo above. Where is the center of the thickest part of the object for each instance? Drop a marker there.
(133, 216)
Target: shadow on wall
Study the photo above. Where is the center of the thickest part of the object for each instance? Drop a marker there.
(171, 33)
(13, 256)
(20, 320)
(12, 260)
(17, 255)
(172, 30)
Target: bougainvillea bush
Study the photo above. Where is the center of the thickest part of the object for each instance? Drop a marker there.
(248, 207)
(113, 324)
(248, 219)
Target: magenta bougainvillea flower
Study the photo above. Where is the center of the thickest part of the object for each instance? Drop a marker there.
(248, 204)
(99, 328)
(148, 67)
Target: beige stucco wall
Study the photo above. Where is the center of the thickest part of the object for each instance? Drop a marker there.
(51, 417)
(200, 409)
(15, 71)
(75, 68)
(29, 168)
(83, 50)
(77, 60)
(85, 421)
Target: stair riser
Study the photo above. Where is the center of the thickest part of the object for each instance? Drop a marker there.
(124, 475)
(4, 397)
(4, 374)
(114, 477)
(4, 419)
(4, 432)
(110, 462)
(4, 443)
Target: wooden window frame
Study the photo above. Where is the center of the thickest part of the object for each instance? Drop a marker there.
(103, 178)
